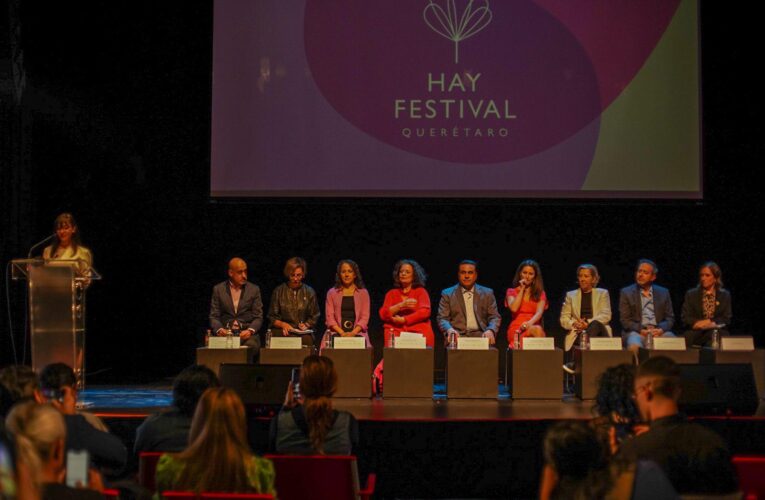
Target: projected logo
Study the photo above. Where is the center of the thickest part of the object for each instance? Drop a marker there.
(454, 27)
(524, 76)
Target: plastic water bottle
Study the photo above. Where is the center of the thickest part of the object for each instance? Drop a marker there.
(715, 339)
(229, 339)
(517, 340)
(207, 337)
(452, 341)
(649, 341)
(328, 342)
(268, 338)
(391, 338)
(585, 341)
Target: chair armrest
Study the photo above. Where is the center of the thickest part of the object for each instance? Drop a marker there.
(369, 490)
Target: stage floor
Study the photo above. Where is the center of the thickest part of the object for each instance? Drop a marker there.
(139, 401)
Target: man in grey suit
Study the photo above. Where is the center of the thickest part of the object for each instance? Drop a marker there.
(236, 300)
(468, 308)
(644, 308)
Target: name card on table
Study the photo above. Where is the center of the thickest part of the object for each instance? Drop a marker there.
(410, 342)
(222, 343)
(539, 344)
(737, 343)
(410, 335)
(286, 343)
(669, 343)
(605, 343)
(349, 343)
(473, 343)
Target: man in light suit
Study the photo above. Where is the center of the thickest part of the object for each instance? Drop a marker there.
(468, 308)
(644, 308)
(587, 308)
(237, 300)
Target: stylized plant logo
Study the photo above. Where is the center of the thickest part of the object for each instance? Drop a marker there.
(451, 26)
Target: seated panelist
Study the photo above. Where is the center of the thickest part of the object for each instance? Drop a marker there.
(294, 310)
(407, 305)
(586, 309)
(644, 308)
(526, 301)
(468, 308)
(236, 304)
(347, 304)
(707, 307)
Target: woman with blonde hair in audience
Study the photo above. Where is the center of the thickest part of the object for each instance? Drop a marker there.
(218, 458)
(40, 434)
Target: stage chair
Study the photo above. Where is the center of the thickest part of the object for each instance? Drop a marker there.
(321, 477)
(147, 469)
(240, 496)
(751, 475)
(189, 495)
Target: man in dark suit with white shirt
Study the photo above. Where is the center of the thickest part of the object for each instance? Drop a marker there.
(468, 308)
(237, 300)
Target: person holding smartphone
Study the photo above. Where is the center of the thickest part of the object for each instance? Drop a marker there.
(307, 424)
(527, 301)
(40, 433)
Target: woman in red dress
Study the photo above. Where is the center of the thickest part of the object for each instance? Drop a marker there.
(407, 306)
(526, 301)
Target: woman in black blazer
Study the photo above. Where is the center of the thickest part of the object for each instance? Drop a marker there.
(706, 307)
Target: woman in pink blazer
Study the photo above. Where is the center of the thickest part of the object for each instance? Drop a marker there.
(347, 304)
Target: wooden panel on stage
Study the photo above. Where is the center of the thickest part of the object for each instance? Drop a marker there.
(284, 356)
(354, 371)
(213, 358)
(756, 358)
(686, 357)
(408, 373)
(533, 374)
(472, 374)
(589, 366)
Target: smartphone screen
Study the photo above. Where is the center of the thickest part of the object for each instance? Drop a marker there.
(296, 383)
(77, 463)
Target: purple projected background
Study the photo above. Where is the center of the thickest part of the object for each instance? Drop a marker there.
(454, 98)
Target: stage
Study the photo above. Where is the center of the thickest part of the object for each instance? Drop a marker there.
(430, 448)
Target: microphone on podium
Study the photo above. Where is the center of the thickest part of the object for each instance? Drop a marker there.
(47, 238)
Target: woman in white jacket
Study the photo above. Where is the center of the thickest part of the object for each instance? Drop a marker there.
(587, 308)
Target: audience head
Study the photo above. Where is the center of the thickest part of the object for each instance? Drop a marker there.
(40, 434)
(588, 277)
(408, 272)
(57, 375)
(217, 455)
(348, 273)
(614, 399)
(645, 272)
(710, 276)
(20, 382)
(295, 270)
(531, 273)
(657, 388)
(189, 386)
(237, 271)
(579, 457)
(467, 273)
(318, 383)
